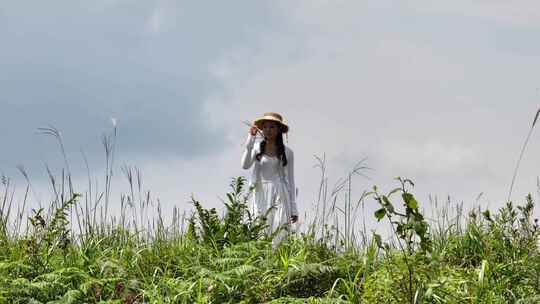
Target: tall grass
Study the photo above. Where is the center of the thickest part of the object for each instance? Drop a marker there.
(76, 249)
(341, 233)
(521, 153)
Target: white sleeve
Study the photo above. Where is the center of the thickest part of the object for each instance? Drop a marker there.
(292, 187)
(249, 153)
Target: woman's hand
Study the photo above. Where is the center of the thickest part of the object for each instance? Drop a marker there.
(294, 219)
(253, 130)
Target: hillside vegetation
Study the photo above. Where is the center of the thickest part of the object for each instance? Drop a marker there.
(481, 257)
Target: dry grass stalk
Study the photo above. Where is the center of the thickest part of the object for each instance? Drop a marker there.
(521, 154)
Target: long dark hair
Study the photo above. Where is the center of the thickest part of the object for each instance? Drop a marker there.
(280, 147)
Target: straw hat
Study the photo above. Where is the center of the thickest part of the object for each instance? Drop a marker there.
(272, 116)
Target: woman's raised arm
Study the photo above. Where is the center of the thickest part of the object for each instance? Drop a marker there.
(249, 152)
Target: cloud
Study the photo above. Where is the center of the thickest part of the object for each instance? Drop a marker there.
(433, 158)
(353, 79)
(517, 13)
(75, 66)
(155, 22)
(163, 18)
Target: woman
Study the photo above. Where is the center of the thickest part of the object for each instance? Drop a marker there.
(272, 174)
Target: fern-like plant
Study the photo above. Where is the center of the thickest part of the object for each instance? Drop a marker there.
(236, 226)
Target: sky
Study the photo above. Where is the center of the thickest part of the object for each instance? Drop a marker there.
(441, 92)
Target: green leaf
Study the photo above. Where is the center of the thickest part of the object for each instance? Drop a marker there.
(483, 273)
(409, 200)
(385, 200)
(378, 240)
(230, 197)
(390, 208)
(379, 214)
(420, 228)
(487, 215)
(400, 228)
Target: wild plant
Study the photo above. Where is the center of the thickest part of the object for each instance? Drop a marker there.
(237, 225)
(412, 231)
(48, 236)
(512, 230)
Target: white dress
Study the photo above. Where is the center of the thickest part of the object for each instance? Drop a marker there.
(274, 187)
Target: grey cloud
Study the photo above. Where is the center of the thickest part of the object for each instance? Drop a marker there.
(413, 79)
(75, 65)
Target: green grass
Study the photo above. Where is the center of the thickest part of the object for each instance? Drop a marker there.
(76, 250)
(490, 258)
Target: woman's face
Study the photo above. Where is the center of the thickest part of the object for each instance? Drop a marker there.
(270, 129)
